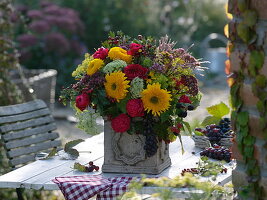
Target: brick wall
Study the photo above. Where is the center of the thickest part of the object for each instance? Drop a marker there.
(239, 59)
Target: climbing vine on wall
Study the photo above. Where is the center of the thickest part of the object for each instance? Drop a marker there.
(251, 72)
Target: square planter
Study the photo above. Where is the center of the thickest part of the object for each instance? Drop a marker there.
(124, 153)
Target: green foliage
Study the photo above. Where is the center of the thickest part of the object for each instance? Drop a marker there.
(9, 93)
(68, 148)
(166, 185)
(210, 120)
(219, 110)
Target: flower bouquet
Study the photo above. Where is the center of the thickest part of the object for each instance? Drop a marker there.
(143, 89)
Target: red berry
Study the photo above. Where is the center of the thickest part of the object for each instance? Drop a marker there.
(91, 163)
(96, 168)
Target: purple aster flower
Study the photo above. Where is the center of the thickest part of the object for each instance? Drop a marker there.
(157, 67)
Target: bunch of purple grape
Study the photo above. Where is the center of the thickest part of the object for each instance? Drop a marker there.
(151, 142)
(217, 152)
(216, 132)
(91, 167)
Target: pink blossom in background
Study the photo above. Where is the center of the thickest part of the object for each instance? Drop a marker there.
(45, 3)
(51, 20)
(39, 26)
(35, 14)
(52, 10)
(27, 40)
(57, 42)
(67, 24)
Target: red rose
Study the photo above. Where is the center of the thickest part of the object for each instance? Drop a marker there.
(82, 101)
(135, 49)
(121, 123)
(135, 70)
(101, 53)
(184, 99)
(135, 108)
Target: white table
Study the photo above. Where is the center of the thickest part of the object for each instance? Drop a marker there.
(38, 175)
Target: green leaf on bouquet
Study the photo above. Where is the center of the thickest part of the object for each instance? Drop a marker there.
(188, 127)
(219, 110)
(210, 120)
(71, 144)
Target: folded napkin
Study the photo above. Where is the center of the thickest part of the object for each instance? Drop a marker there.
(85, 187)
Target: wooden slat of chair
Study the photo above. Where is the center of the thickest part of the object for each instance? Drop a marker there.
(27, 129)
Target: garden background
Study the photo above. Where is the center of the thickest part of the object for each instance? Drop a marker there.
(56, 34)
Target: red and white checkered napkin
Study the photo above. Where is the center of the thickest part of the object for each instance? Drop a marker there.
(85, 187)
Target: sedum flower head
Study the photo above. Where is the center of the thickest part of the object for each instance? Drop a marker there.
(114, 66)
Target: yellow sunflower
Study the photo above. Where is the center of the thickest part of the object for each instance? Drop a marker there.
(94, 66)
(156, 99)
(116, 85)
(117, 53)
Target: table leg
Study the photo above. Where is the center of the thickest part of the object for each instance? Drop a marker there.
(19, 193)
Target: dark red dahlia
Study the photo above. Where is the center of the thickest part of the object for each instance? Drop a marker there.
(135, 70)
(121, 123)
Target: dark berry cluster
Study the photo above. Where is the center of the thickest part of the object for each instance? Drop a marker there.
(216, 132)
(91, 167)
(190, 170)
(184, 108)
(217, 152)
(225, 125)
(151, 142)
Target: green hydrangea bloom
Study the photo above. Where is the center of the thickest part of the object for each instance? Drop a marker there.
(87, 122)
(114, 66)
(137, 86)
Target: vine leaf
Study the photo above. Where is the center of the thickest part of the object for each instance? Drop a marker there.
(210, 120)
(69, 148)
(51, 154)
(243, 32)
(71, 144)
(242, 5)
(219, 110)
(242, 118)
(250, 17)
(256, 59)
(261, 81)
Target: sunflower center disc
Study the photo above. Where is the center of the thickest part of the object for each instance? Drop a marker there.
(113, 86)
(154, 100)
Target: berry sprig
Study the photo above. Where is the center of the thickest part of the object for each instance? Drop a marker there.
(84, 168)
(206, 168)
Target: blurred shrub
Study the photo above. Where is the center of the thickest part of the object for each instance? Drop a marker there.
(51, 38)
(186, 21)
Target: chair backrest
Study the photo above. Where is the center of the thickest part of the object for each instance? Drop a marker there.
(27, 129)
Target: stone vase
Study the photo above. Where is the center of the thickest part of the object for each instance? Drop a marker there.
(124, 153)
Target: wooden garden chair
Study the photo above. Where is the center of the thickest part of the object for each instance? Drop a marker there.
(27, 129)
